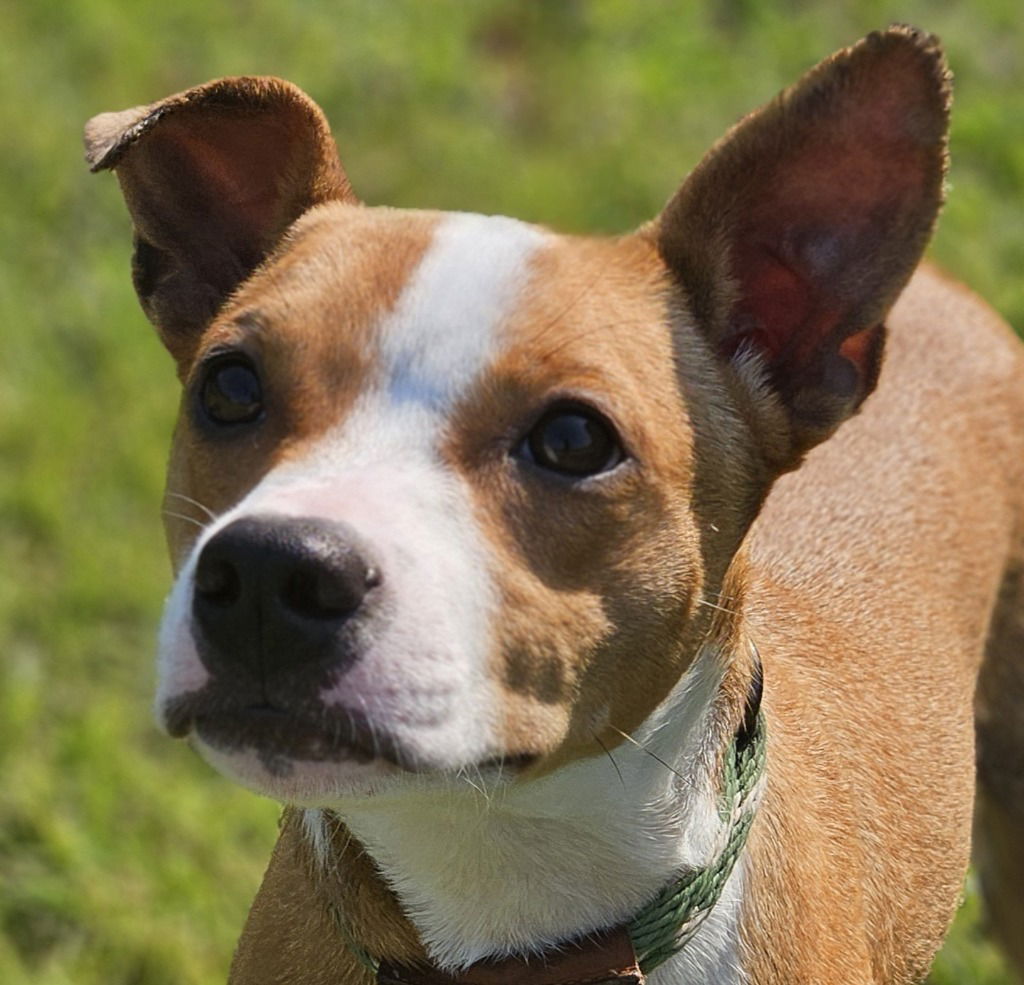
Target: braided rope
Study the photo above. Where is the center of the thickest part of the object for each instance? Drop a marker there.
(666, 924)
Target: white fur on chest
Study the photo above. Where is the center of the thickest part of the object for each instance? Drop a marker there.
(484, 870)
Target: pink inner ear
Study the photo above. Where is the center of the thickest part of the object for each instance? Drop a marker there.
(805, 259)
(858, 349)
(774, 301)
(237, 168)
(789, 306)
(833, 201)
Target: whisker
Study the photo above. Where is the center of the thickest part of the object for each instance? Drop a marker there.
(374, 738)
(463, 774)
(187, 519)
(483, 783)
(540, 355)
(611, 758)
(331, 723)
(644, 748)
(720, 596)
(720, 608)
(194, 502)
(562, 312)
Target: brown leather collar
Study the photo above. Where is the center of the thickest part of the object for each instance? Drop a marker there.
(600, 959)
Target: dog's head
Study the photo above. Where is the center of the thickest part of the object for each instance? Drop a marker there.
(451, 489)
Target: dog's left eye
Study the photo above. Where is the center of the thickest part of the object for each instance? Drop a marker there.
(230, 392)
(574, 440)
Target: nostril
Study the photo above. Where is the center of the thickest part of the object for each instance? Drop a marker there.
(317, 592)
(217, 581)
(314, 595)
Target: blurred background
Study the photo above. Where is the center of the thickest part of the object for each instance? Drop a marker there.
(123, 859)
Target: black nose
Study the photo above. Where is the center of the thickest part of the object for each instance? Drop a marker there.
(274, 594)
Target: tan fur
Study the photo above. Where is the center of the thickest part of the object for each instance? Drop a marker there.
(315, 366)
(879, 562)
(291, 934)
(725, 340)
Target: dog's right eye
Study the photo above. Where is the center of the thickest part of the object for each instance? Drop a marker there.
(230, 392)
(573, 440)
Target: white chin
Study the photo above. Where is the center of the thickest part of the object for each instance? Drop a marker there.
(302, 782)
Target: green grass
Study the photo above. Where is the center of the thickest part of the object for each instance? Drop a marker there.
(123, 860)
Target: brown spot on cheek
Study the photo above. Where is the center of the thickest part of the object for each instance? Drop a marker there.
(594, 606)
(541, 633)
(310, 318)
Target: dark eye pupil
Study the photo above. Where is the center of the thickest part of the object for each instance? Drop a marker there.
(231, 393)
(574, 442)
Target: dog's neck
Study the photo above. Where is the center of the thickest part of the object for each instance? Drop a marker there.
(517, 869)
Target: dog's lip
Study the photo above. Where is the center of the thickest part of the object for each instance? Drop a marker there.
(303, 734)
(283, 734)
(296, 737)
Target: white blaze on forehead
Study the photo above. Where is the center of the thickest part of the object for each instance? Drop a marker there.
(441, 336)
(443, 333)
(446, 325)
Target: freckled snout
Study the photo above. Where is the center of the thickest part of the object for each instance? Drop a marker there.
(274, 596)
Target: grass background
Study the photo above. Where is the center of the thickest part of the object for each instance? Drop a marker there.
(123, 860)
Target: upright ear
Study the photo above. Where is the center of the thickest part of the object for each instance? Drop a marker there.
(212, 178)
(797, 232)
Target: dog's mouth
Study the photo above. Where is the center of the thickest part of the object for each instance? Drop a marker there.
(282, 736)
(279, 734)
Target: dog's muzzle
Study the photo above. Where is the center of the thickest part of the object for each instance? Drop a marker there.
(309, 643)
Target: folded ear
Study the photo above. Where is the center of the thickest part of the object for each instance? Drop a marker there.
(797, 232)
(212, 178)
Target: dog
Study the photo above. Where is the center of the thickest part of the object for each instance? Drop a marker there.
(525, 569)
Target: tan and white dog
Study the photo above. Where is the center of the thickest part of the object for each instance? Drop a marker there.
(483, 557)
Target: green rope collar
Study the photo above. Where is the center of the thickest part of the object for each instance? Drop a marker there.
(665, 925)
(668, 922)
